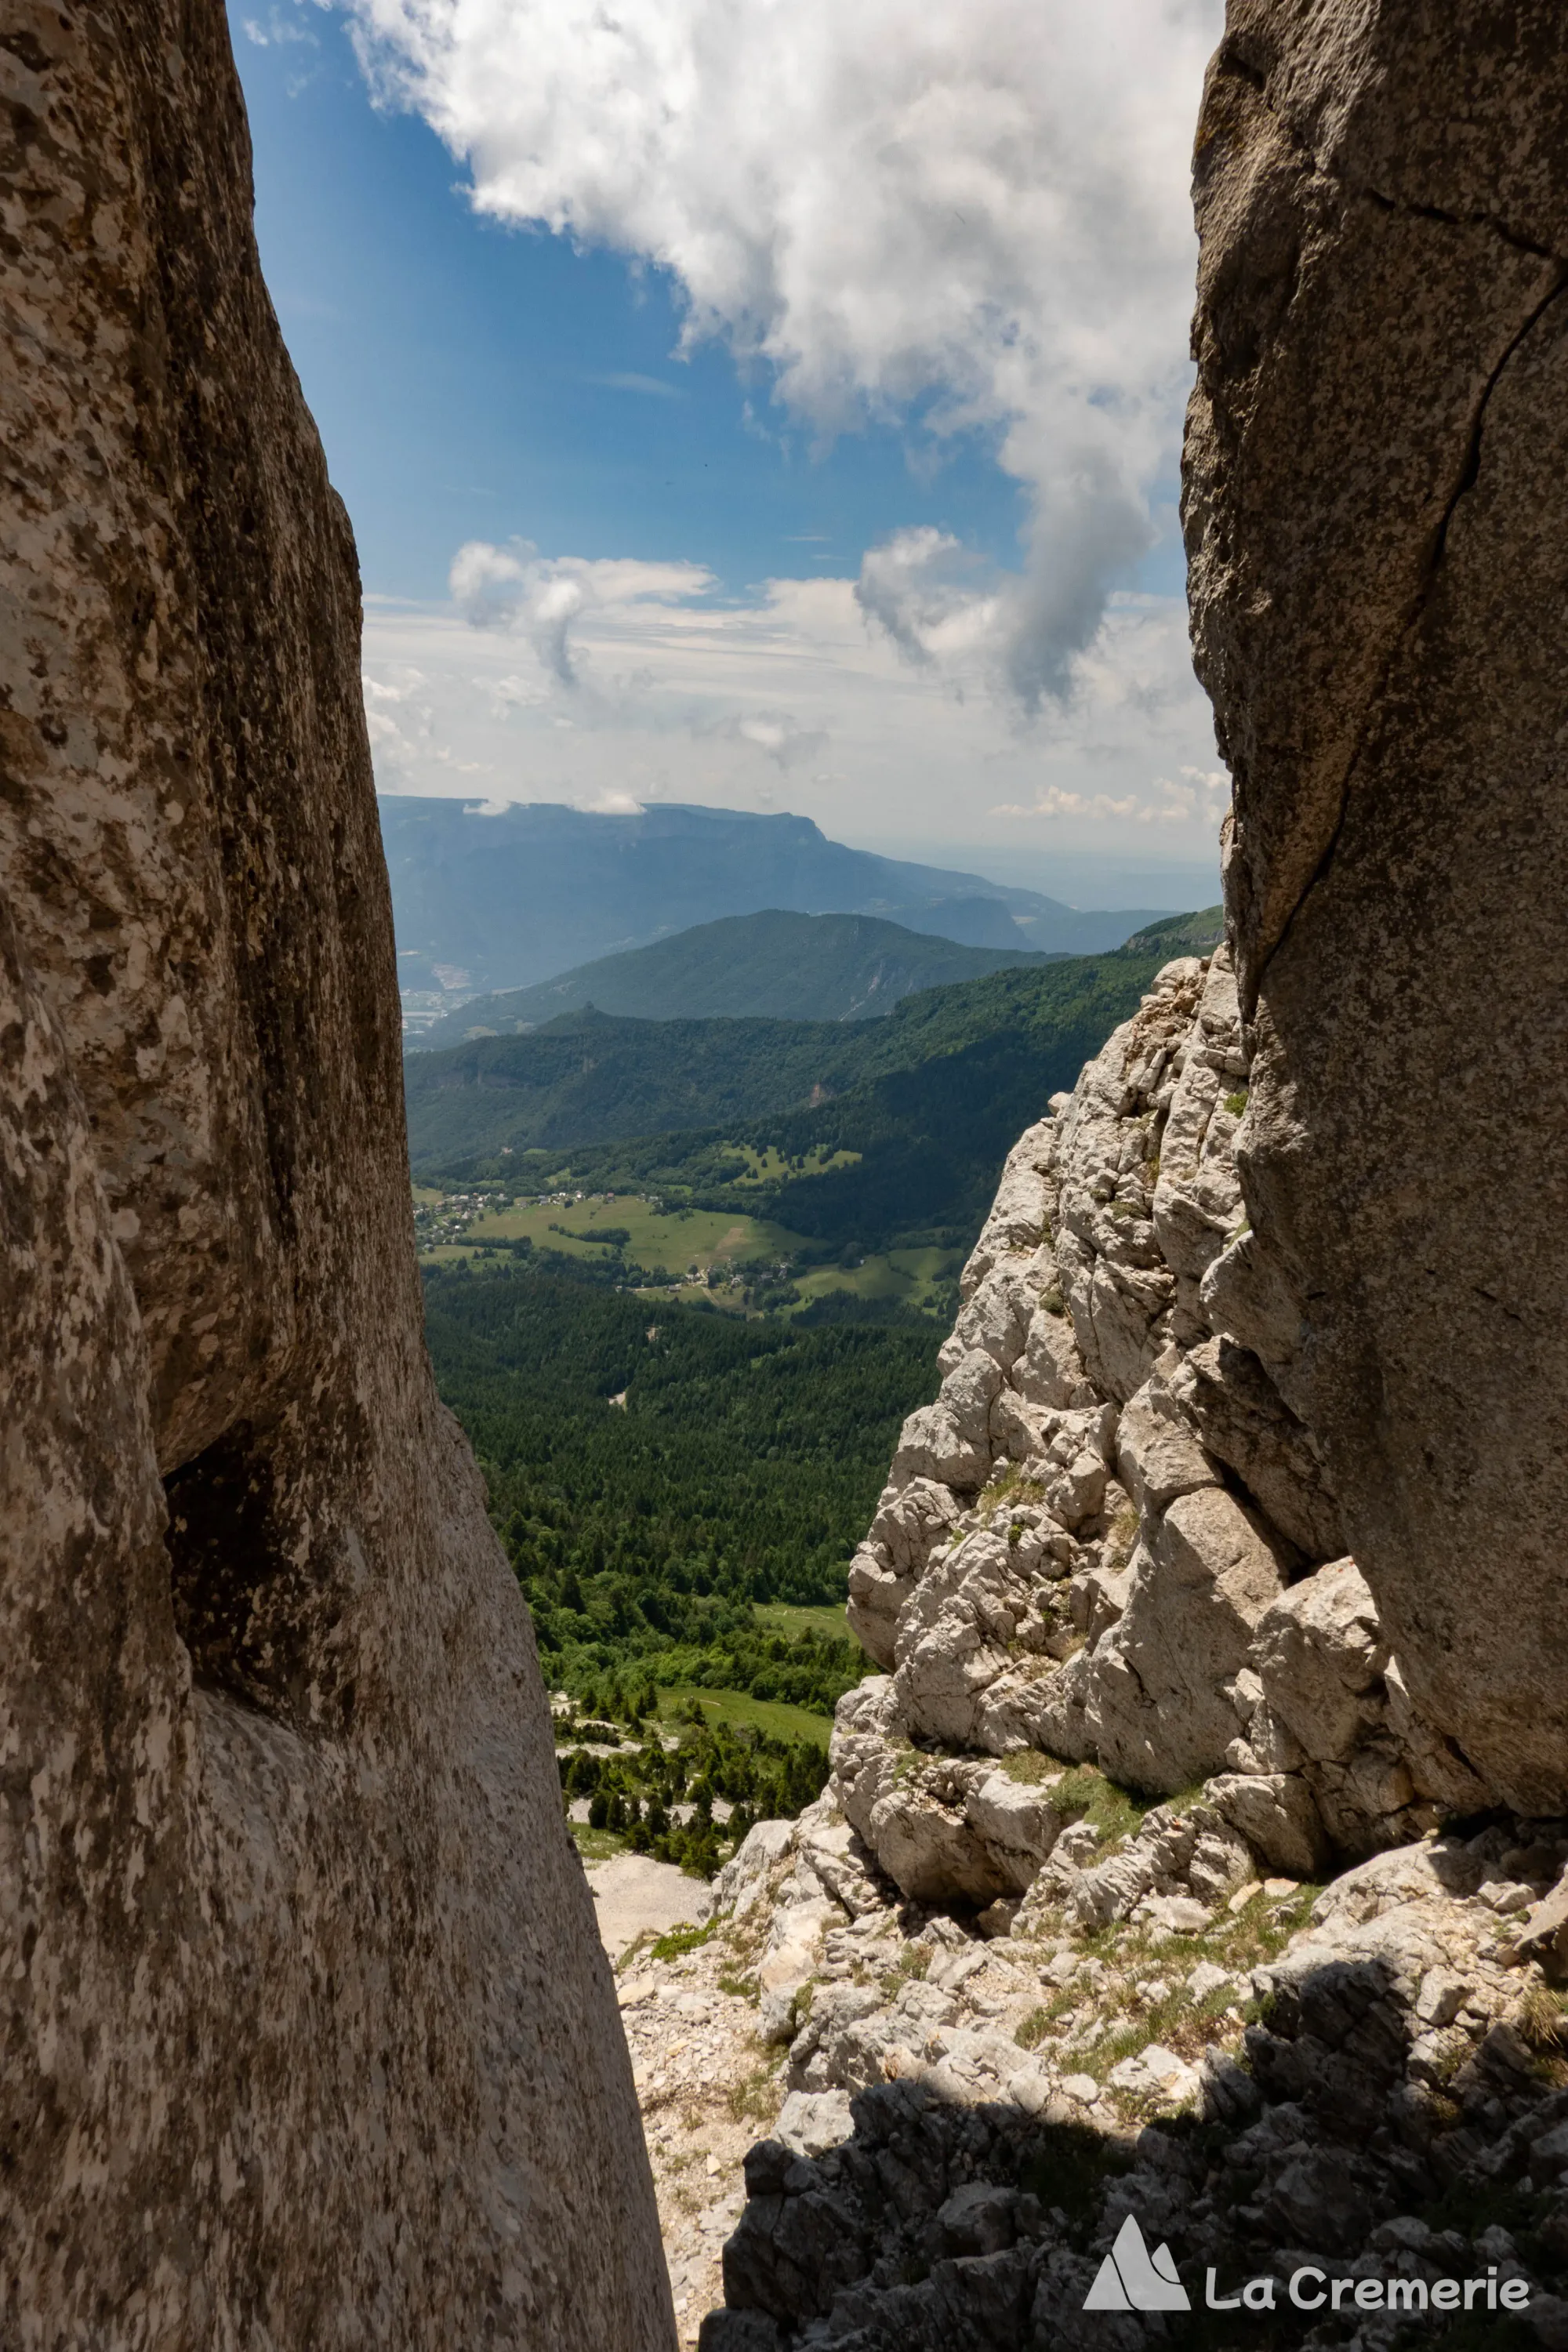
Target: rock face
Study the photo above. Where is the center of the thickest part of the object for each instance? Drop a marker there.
(1375, 458)
(308, 2035)
(1246, 1469)
(1111, 1539)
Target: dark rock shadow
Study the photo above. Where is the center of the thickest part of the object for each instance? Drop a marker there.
(942, 2228)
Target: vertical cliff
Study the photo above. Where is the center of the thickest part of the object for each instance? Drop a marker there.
(308, 2037)
(1376, 462)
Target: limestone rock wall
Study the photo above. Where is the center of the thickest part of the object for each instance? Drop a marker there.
(1111, 1539)
(309, 2041)
(1374, 508)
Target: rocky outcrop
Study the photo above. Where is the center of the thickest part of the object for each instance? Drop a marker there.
(1110, 1539)
(1369, 2086)
(1376, 457)
(308, 2035)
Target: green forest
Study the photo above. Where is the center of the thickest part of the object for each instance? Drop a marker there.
(633, 1795)
(928, 1100)
(742, 1466)
(787, 967)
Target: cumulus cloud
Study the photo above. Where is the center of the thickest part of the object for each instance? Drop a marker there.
(775, 734)
(786, 698)
(516, 587)
(937, 601)
(968, 214)
(1202, 797)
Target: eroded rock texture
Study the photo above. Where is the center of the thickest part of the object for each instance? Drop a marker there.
(1110, 1539)
(308, 2038)
(1021, 2006)
(1376, 455)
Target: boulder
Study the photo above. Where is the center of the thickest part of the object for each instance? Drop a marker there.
(742, 1882)
(1159, 1687)
(948, 1442)
(1277, 1815)
(811, 2122)
(1321, 1657)
(1241, 1419)
(1017, 1821)
(1158, 1455)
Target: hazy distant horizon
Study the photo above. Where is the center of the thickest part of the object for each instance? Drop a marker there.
(1085, 879)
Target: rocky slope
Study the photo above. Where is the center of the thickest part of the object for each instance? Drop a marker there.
(1110, 1538)
(303, 2007)
(1246, 1488)
(1022, 2000)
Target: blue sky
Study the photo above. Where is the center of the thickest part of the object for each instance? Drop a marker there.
(472, 379)
(892, 541)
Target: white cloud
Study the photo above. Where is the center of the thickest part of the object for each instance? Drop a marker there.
(625, 380)
(515, 587)
(278, 32)
(776, 734)
(969, 214)
(1203, 796)
(661, 692)
(936, 601)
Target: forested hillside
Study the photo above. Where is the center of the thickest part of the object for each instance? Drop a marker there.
(768, 966)
(683, 1442)
(589, 1079)
(956, 1071)
(498, 898)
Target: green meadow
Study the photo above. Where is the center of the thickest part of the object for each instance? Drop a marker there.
(738, 1708)
(679, 1239)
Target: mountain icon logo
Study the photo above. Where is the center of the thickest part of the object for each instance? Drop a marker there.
(1132, 2279)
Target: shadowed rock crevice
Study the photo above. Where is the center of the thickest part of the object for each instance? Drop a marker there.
(260, 1608)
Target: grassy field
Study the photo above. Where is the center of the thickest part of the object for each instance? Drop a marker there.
(677, 1239)
(909, 1276)
(739, 1707)
(770, 1166)
(683, 1239)
(597, 1845)
(779, 1617)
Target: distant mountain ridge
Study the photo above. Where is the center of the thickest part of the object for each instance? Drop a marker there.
(488, 901)
(774, 966)
(950, 1066)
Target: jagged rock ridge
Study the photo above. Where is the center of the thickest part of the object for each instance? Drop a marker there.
(1110, 1538)
(1018, 2007)
(308, 2035)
